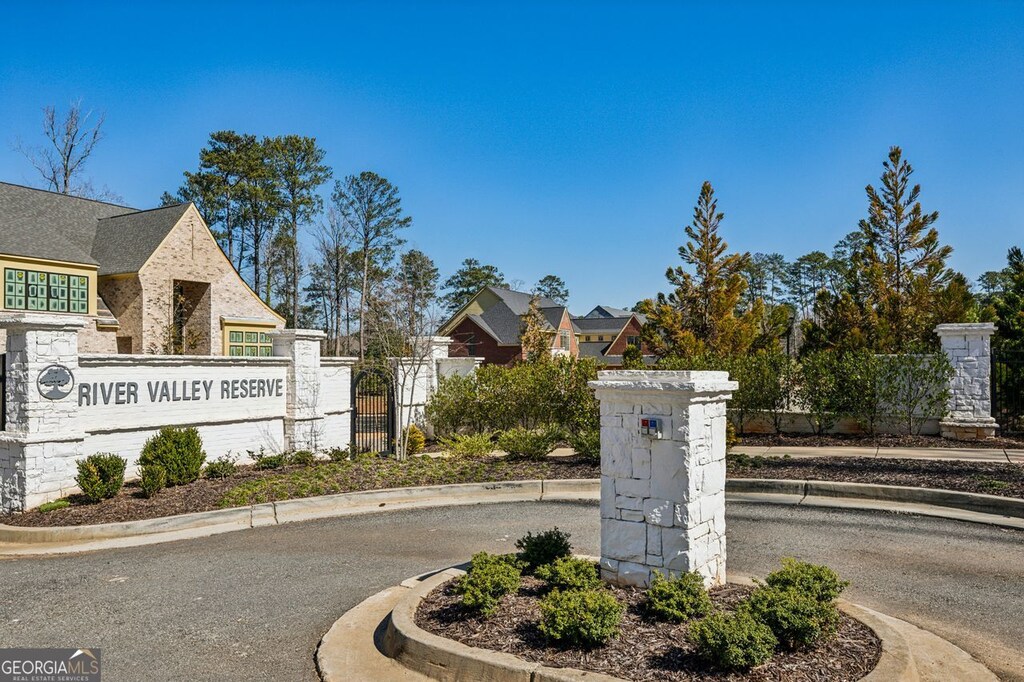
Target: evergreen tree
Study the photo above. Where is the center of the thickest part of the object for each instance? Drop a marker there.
(371, 209)
(700, 314)
(553, 287)
(904, 262)
(1009, 304)
(417, 286)
(470, 278)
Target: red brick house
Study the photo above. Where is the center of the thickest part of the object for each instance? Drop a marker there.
(491, 324)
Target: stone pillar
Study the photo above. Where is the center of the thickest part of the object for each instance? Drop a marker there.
(969, 411)
(662, 481)
(43, 440)
(304, 415)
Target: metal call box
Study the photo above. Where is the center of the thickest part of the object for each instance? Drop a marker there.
(650, 427)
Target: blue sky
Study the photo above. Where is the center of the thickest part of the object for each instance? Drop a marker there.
(568, 138)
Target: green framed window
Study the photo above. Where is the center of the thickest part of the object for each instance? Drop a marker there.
(244, 341)
(36, 290)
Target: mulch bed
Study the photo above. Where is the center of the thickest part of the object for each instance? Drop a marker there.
(989, 478)
(645, 649)
(877, 441)
(206, 494)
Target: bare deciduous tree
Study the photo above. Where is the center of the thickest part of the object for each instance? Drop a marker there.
(70, 142)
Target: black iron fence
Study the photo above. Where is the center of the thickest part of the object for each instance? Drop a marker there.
(1008, 391)
(373, 412)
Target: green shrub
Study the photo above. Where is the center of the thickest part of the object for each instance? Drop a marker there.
(62, 503)
(222, 467)
(304, 458)
(490, 577)
(179, 452)
(543, 548)
(587, 444)
(153, 479)
(796, 618)
(414, 440)
(263, 461)
(821, 582)
(632, 357)
(916, 386)
(765, 379)
(100, 476)
(343, 454)
(678, 599)
(468, 445)
(820, 390)
(570, 573)
(583, 618)
(534, 444)
(733, 641)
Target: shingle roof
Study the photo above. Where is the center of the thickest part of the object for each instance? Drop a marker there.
(553, 315)
(519, 301)
(125, 242)
(595, 325)
(607, 311)
(593, 349)
(42, 224)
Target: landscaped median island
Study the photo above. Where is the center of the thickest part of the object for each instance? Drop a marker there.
(546, 606)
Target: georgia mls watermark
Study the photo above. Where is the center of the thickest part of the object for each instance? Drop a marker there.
(49, 665)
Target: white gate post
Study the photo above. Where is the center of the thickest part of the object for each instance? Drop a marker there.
(662, 474)
(42, 442)
(969, 411)
(304, 415)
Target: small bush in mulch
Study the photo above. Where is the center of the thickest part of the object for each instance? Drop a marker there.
(733, 641)
(152, 479)
(179, 452)
(570, 573)
(100, 476)
(796, 618)
(529, 443)
(468, 444)
(818, 581)
(678, 599)
(543, 548)
(587, 444)
(62, 503)
(222, 467)
(489, 578)
(582, 618)
(647, 650)
(304, 458)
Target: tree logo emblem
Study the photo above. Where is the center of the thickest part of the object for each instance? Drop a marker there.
(55, 382)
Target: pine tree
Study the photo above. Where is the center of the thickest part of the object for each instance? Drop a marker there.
(470, 278)
(700, 315)
(904, 262)
(1009, 304)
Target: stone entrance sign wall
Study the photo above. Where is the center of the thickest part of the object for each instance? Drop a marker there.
(969, 412)
(662, 474)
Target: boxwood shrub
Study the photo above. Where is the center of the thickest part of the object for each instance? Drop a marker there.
(179, 452)
(821, 582)
(796, 618)
(530, 443)
(100, 476)
(582, 618)
(678, 599)
(489, 578)
(570, 573)
(736, 641)
(543, 548)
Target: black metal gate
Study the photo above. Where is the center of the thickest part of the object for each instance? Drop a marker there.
(1008, 391)
(373, 412)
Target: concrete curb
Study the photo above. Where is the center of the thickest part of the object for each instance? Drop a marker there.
(909, 654)
(15, 540)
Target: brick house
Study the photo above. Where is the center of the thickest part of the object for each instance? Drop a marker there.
(147, 280)
(491, 324)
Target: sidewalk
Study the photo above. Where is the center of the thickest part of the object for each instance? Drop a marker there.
(966, 454)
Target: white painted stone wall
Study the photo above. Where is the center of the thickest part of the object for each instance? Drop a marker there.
(969, 348)
(239, 405)
(662, 498)
(417, 378)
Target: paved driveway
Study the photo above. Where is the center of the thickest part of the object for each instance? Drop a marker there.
(252, 605)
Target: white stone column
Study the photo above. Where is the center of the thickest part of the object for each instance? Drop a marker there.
(969, 411)
(304, 415)
(663, 492)
(43, 440)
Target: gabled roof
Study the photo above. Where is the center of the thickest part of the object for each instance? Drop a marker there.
(519, 301)
(39, 224)
(601, 325)
(504, 319)
(607, 311)
(125, 242)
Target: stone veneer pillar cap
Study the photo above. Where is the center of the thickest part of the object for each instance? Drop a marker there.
(24, 320)
(657, 381)
(959, 328)
(299, 334)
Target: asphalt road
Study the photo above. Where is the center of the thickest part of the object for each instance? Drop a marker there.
(252, 605)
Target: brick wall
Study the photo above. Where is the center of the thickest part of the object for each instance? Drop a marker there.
(486, 347)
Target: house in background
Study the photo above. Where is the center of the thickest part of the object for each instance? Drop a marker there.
(145, 281)
(490, 326)
(605, 332)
